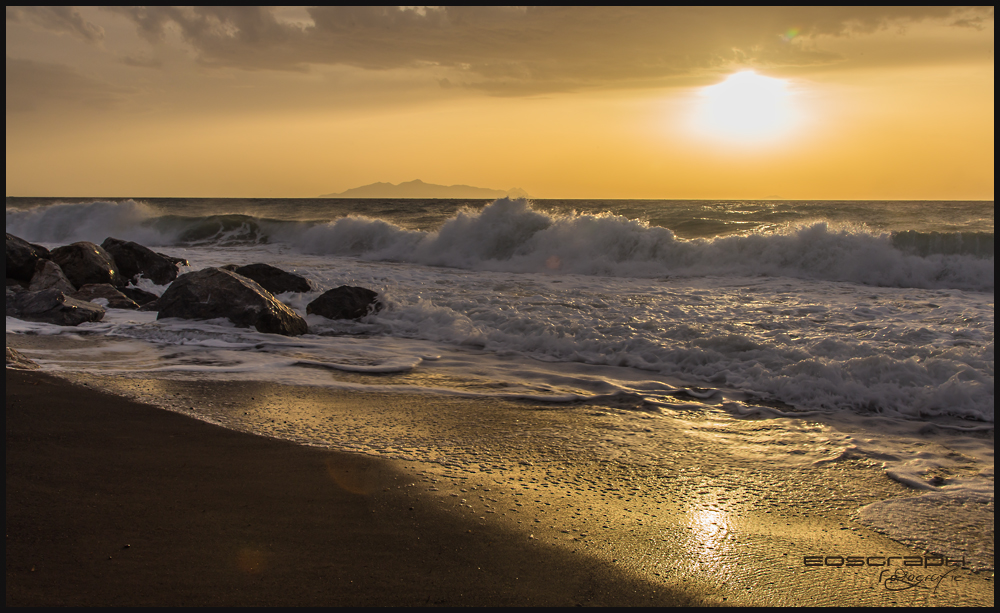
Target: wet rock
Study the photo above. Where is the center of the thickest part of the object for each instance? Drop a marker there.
(51, 306)
(345, 302)
(21, 258)
(17, 360)
(139, 296)
(48, 275)
(213, 292)
(274, 279)
(97, 291)
(153, 305)
(135, 260)
(86, 263)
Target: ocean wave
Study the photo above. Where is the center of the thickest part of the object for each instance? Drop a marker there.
(142, 223)
(979, 244)
(510, 235)
(88, 221)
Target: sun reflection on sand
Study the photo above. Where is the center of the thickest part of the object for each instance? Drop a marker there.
(710, 540)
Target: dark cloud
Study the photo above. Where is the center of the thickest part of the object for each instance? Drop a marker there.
(59, 19)
(977, 22)
(513, 51)
(32, 85)
(222, 34)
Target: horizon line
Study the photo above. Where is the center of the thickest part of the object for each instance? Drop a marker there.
(532, 198)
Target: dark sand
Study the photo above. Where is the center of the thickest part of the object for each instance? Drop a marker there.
(110, 501)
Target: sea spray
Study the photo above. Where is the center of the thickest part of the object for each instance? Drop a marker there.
(515, 236)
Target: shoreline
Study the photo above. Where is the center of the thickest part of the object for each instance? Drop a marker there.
(110, 502)
(518, 520)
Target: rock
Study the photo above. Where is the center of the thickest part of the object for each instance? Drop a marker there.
(115, 299)
(51, 306)
(273, 279)
(86, 263)
(151, 306)
(18, 361)
(139, 296)
(48, 275)
(213, 292)
(345, 302)
(134, 260)
(21, 258)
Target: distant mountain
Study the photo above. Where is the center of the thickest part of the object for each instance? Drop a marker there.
(419, 189)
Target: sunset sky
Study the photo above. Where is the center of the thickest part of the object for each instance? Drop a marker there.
(804, 103)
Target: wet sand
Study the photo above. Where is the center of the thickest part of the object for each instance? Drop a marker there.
(110, 502)
(114, 502)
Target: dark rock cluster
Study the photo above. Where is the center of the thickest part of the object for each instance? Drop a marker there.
(65, 285)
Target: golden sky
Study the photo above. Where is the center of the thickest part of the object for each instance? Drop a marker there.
(803, 103)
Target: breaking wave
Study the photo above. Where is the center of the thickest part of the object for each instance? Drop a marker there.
(510, 235)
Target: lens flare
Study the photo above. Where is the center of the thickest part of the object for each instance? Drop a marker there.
(789, 35)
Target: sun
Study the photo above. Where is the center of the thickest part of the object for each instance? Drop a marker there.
(746, 107)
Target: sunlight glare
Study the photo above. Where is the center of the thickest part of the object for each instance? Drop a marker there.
(746, 107)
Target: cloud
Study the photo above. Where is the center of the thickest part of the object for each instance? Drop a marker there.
(32, 85)
(975, 22)
(58, 19)
(141, 61)
(511, 51)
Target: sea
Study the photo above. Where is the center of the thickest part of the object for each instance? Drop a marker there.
(870, 321)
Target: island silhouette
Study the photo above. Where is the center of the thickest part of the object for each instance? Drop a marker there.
(419, 189)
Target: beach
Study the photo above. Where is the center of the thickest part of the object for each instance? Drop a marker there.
(558, 402)
(113, 502)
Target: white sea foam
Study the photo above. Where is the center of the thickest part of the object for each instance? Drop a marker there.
(93, 221)
(813, 345)
(512, 236)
